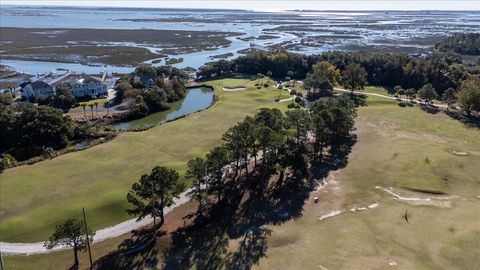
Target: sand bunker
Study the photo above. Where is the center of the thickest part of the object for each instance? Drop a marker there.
(233, 89)
(354, 209)
(331, 214)
(438, 201)
(457, 153)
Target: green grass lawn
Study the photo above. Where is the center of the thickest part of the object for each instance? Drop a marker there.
(236, 83)
(100, 101)
(393, 143)
(35, 198)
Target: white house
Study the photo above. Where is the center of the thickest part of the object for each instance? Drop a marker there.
(38, 88)
(84, 85)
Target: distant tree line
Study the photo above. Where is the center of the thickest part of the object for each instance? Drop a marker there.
(151, 88)
(463, 43)
(435, 73)
(382, 69)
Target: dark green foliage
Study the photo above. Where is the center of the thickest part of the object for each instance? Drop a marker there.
(442, 70)
(139, 109)
(7, 161)
(354, 77)
(72, 234)
(153, 192)
(154, 98)
(121, 87)
(197, 171)
(427, 93)
(63, 98)
(469, 95)
(31, 128)
(464, 43)
(5, 99)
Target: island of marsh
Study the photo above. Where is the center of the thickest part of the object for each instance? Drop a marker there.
(117, 46)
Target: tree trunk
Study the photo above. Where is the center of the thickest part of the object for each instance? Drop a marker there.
(236, 168)
(75, 255)
(162, 217)
(154, 223)
(298, 137)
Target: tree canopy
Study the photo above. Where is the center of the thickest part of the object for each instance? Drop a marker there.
(71, 233)
(153, 192)
(464, 43)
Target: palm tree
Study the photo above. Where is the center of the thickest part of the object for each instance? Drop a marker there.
(91, 108)
(84, 111)
(96, 106)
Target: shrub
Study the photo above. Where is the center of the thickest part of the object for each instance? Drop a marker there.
(7, 161)
(49, 153)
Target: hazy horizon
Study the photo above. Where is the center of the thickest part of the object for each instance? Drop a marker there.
(405, 5)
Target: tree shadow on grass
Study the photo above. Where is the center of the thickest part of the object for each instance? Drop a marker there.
(359, 100)
(432, 109)
(136, 252)
(232, 233)
(470, 122)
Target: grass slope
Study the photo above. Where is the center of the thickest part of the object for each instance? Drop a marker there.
(35, 198)
(390, 138)
(392, 146)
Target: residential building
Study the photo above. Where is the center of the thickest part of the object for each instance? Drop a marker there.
(38, 88)
(84, 86)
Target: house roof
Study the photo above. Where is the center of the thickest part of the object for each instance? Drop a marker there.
(73, 78)
(92, 79)
(39, 85)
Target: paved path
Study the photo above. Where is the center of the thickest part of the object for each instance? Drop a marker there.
(107, 233)
(100, 235)
(380, 95)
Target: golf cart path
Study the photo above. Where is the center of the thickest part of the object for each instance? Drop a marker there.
(378, 95)
(106, 233)
(100, 235)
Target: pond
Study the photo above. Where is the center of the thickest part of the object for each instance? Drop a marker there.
(196, 99)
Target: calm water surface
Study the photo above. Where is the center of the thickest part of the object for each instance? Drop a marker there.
(196, 99)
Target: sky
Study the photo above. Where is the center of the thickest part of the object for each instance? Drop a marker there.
(270, 5)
